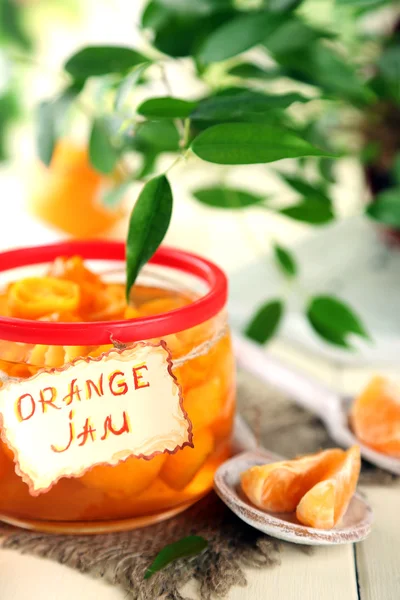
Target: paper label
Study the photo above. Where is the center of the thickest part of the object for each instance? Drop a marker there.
(61, 422)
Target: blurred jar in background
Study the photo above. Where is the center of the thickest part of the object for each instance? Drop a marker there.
(68, 194)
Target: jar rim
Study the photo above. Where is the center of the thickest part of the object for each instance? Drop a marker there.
(127, 330)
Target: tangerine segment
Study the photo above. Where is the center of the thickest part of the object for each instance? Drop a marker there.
(162, 305)
(375, 416)
(180, 468)
(278, 487)
(128, 478)
(34, 297)
(204, 403)
(325, 504)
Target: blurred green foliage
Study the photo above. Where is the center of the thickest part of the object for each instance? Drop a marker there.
(301, 83)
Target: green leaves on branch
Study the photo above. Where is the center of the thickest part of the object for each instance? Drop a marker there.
(166, 108)
(184, 548)
(102, 153)
(265, 322)
(310, 211)
(250, 143)
(283, 5)
(386, 208)
(285, 261)
(94, 61)
(334, 321)
(148, 225)
(238, 35)
(228, 198)
(251, 71)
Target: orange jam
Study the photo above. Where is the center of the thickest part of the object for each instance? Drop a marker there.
(136, 491)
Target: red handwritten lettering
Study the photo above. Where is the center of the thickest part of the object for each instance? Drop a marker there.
(19, 404)
(138, 377)
(122, 388)
(109, 428)
(73, 392)
(71, 435)
(96, 388)
(46, 402)
(88, 430)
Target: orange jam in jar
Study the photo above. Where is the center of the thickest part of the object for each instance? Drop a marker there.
(66, 301)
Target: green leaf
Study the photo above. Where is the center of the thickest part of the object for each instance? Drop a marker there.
(363, 3)
(385, 208)
(320, 65)
(223, 197)
(293, 35)
(46, 134)
(310, 211)
(250, 143)
(334, 320)
(242, 106)
(154, 16)
(306, 189)
(199, 7)
(265, 322)
(396, 168)
(285, 260)
(102, 153)
(94, 61)
(148, 225)
(389, 64)
(181, 34)
(156, 136)
(12, 24)
(166, 108)
(184, 548)
(112, 197)
(326, 169)
(238, 35)
(283, 5)
(50, 117)
(128, 83)
(250, 71)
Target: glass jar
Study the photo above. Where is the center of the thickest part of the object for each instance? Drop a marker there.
(134, 492)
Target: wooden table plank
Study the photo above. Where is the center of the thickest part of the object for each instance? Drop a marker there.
(326, 574)
(378, 557)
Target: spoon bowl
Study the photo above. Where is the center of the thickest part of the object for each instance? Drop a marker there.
(330, 407)
(354, 526)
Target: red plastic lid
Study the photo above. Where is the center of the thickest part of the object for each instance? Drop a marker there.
(131, 330)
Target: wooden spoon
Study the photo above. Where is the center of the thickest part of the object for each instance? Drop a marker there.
(326, 404)
(354, 526)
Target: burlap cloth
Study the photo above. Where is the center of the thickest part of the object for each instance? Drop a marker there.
(122, 558)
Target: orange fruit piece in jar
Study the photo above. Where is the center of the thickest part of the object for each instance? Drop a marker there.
(110, 304)
(278, 487)
(68, 193)
(180, 468)
(34, 297)
(162, 305)
(73, 269)
(128, 478)
(204, 403)
(375, 416)
(325, 504)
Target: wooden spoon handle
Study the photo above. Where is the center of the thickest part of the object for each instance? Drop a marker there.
(302, 389)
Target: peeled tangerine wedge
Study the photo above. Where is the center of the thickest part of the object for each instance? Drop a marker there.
(375, 416)
(203, 403)
(180, 468)
(325, 504)
(128, 478)
(279, 487)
